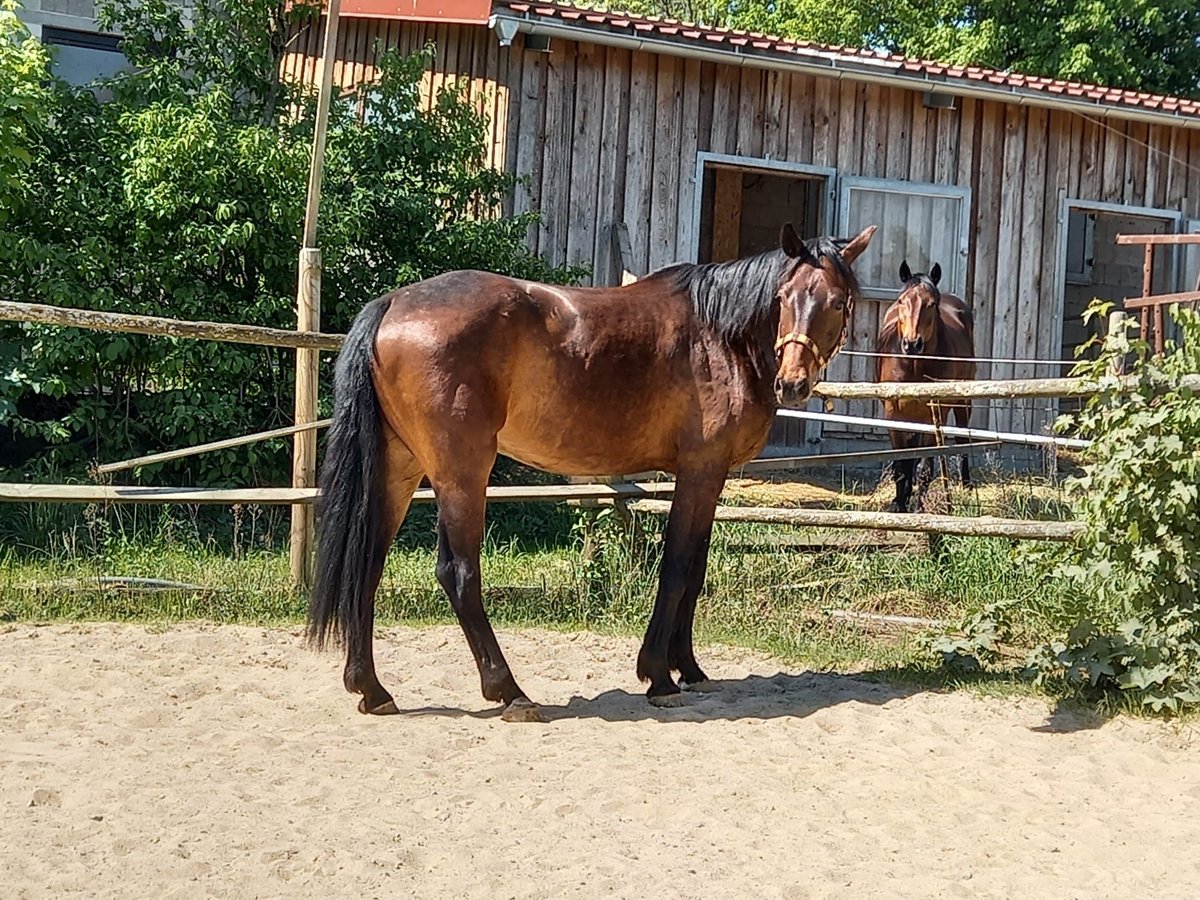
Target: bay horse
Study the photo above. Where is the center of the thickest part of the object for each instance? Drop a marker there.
(926, 335)
(681, 371)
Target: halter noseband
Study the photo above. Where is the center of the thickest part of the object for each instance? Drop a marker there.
(799, 337)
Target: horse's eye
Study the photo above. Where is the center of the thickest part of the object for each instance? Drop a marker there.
(839, 304)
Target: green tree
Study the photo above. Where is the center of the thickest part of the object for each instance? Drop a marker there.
(22, 100)
(184, 196)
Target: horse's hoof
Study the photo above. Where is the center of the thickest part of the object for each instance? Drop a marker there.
(522, 710)
(387, 708)
(704, 686)
(666, 701)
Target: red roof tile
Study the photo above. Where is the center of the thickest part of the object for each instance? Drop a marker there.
(673, 31)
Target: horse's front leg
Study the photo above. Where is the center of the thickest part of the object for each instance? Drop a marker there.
(688, 528)
(682, 651)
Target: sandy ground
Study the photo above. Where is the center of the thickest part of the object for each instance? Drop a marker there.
(219, 761)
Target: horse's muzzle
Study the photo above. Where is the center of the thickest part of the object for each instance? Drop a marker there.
(793, 393)
(913, 348)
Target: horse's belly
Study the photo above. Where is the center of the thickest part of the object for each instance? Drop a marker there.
(581, 442)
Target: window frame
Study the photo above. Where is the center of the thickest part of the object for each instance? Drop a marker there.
(847, 184)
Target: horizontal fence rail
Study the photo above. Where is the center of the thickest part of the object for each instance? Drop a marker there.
(1006, 389)
(976, 434)
(777, 463)
(967, 526)
(38, 314)
(93, 493)
(168, 455)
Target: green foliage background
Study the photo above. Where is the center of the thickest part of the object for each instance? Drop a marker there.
(177, 189)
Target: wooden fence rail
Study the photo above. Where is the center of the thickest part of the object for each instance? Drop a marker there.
(39, 314)
(96, 493)
(970, 526)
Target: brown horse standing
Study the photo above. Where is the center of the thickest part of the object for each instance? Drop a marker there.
(681, 371)
(926, 336)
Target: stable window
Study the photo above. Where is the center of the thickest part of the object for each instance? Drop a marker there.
(919, 223)
(81, 57)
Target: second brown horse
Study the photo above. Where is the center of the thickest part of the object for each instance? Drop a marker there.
(927, 335)
(681, 371)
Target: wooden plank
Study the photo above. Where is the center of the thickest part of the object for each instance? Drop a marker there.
(987, 233)
(1177, 170)
(664, 203)
(797, 143)
(1159, 139)
(751, 111)
(727, 215)
(556, 172)
(726, 101)
(116, 493)
(945, 162)
(1140, 239)
(1059, 165)
(1008, 258)
(1112, 180)
(1091, 170)
(825, 122)
(1135, 163)
(531, 139)
(610, 192)
(851, 102)
(1161, 300)
(169, 455)
(585, 150)
(40, 314)
(706, 89)
(1075, 157)
(1028, 322)
(968, 526)
(967, 175)
(775, 117)
(787, 463)
(639, 158)
(687, 243)
(509, 101)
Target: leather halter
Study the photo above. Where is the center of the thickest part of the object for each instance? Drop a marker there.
(799, 337)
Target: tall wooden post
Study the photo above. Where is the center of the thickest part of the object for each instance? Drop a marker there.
(308, 318)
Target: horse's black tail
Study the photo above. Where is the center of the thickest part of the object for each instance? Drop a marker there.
(350, 508)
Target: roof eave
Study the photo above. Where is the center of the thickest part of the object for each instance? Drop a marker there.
(881, 71)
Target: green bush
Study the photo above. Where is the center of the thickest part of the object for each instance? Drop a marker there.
(1132, 579)
(183, 196)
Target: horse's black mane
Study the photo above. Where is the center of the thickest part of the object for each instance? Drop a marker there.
(734, 297)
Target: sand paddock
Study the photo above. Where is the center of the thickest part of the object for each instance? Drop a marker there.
(202, 761)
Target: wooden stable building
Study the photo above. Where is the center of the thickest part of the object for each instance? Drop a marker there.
(702, 142)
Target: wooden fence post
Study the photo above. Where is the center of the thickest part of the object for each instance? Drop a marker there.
(308, 318)
(304, 457)
(1116, 322)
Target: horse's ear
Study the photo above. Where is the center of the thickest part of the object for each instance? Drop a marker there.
(935, 274)
(905, 272)
(791, 244)
(854, 249)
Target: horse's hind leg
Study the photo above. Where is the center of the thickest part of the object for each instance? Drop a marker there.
(402, 475)
(462, 500)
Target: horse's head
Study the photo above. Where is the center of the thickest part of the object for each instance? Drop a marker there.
(918, 308)
(816, 298)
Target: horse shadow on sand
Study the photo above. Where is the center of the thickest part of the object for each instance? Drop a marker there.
(753, 697)
(762, 697)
